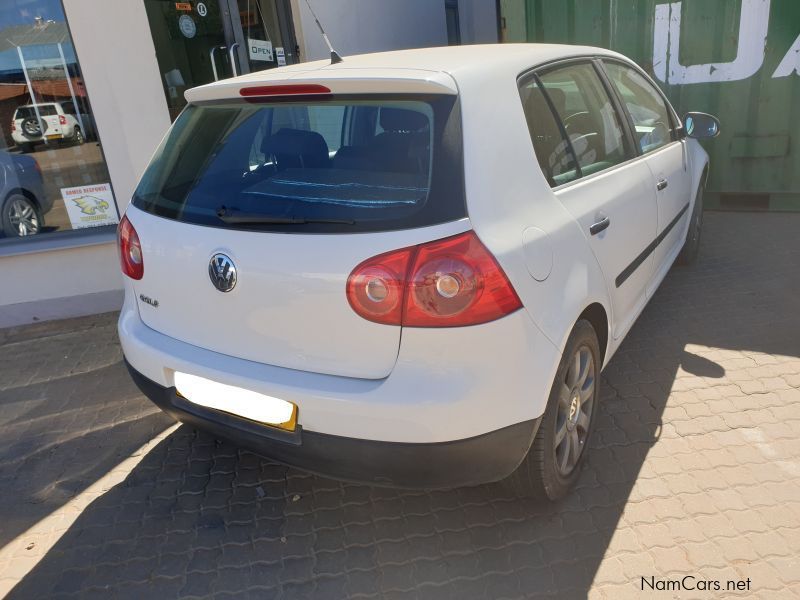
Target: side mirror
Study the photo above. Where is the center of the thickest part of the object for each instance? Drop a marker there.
(701, 125)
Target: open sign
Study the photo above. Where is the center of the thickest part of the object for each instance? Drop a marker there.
(260, 50)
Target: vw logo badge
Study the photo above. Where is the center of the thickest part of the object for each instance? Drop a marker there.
(222, 272)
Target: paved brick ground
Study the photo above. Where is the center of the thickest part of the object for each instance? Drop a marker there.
(693, 470)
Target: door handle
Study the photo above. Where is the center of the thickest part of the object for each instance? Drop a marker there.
(213, 61)
(232, 55)
(662, 184)
(601, 225)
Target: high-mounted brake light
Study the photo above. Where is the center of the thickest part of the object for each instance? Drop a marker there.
(130, 250)
(445, 283)
(298, 89)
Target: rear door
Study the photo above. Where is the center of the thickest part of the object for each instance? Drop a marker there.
(589, 160)
(654, 126)
(292, 196)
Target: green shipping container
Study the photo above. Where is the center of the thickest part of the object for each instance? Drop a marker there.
(736, 59)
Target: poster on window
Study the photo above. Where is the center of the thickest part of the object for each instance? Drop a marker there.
(260, 50)
(90, 205)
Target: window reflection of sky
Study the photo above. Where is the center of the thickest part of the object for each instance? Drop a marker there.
(18, 27)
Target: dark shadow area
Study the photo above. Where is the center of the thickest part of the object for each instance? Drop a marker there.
(198, 517)
(702, 367)
(58, 435)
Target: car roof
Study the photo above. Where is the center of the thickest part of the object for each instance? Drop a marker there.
(459, 64)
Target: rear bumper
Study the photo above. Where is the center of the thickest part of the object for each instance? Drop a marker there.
(447, 385)
(51, 136)
(480, 459)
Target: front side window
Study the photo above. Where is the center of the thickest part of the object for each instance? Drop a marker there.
(592, 124)
(645, 105)
(323, 166)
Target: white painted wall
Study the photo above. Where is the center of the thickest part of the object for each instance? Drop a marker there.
(362, 26)
(56, 274)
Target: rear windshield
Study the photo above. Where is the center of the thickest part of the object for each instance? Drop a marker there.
(336, 165)
(27, 112)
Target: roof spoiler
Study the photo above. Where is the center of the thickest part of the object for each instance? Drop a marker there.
(344, 81)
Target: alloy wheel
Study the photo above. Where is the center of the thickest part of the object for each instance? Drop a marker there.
(575, 405)
(22, 216)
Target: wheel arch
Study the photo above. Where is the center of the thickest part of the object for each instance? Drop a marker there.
(597, 317)
(23, 192)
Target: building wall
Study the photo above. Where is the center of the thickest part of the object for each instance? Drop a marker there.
(362, 26)
(478, 21)
(66, 272)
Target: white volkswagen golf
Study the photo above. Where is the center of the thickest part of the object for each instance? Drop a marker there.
(408, 268)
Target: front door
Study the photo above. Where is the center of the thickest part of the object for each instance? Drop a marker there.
(201, 41)
(664, 152)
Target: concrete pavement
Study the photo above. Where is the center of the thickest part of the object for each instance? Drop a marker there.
(693, 471)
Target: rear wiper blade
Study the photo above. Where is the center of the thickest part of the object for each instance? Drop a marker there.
(235, 217)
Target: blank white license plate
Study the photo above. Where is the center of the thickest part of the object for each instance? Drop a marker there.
(237, 401)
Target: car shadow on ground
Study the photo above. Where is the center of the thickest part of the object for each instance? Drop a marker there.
(197, 517)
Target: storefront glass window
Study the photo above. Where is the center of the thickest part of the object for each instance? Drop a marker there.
(201, 41)
(53, 176)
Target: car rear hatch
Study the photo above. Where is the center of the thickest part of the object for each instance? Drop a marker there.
(291, 189)
(43, 119)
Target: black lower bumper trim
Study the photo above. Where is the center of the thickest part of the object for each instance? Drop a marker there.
(472, 461)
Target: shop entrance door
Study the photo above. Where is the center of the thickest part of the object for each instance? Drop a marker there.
(264, 32)
(201, 41)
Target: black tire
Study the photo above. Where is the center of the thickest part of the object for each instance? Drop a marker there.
(540, 475)
(691, 246)
(17, 208)
(77, 136)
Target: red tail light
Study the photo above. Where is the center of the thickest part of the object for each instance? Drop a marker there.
(13, 126)
(445, 283)
(130, 250)
(293, 89)
(62, 119)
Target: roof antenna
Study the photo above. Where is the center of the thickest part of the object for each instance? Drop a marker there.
(335, 58)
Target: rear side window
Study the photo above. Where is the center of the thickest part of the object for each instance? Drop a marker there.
(645, 104)
(27, 112)
(591, 123)
(552, 149)
(339, 165)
